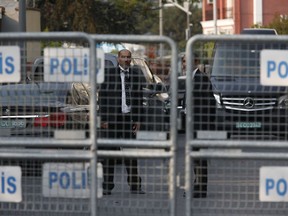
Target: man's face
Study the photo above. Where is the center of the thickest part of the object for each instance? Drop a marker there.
(184, 64)
(124, 59)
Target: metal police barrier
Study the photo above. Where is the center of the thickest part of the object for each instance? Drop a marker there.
(48, 160)
(154, 144)
(236, 125)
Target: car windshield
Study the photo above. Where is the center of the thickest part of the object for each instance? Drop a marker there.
(233, 58)
(146, 70)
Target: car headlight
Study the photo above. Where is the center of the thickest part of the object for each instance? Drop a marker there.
(283, 102)
(218, 100)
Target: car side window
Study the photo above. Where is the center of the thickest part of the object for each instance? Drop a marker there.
(38, 74)
(109, 64)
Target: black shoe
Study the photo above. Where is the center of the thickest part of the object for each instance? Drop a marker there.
(139, 191)
(106, 192)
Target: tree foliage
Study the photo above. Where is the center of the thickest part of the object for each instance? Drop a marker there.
(280, 23)
(92, 16)
(174, 22)
(118, 17)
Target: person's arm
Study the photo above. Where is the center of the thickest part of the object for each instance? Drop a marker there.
(139, 82)
(103, 100)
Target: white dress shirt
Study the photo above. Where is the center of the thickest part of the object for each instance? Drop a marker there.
(124, 107)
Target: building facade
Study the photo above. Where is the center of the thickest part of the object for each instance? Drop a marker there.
(9, 22)
(234, 15)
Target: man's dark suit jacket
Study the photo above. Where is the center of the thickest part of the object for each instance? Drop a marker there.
(110, 99)
(204, 102)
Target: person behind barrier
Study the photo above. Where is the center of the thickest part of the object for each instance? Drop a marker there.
(197, 66)
(203, 110)
(121, 110)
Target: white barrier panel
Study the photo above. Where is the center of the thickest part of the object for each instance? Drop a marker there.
(69, 180)
(71, 65)
(10, 184)
(10, 64)
(274, 67)
(273, 184)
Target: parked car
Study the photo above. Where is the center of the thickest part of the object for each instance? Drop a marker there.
(244, 107)
(34, 109)
(259, 31)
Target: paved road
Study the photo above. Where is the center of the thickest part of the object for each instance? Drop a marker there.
(155, 174)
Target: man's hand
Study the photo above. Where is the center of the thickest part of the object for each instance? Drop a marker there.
(135, 127)
(104, 125)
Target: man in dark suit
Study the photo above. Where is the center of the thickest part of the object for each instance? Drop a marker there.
(121, 110)
(203, 110)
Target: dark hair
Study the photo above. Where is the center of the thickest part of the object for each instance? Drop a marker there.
(124, 50)
(195, 55)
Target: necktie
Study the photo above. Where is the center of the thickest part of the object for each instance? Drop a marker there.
(127, 88)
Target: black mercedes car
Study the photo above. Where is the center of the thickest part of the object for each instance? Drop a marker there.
(244, 107)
